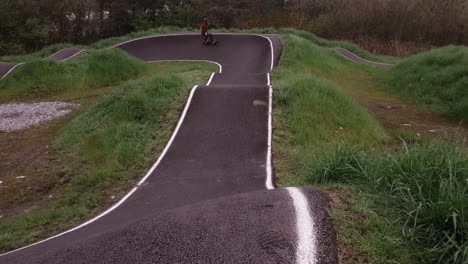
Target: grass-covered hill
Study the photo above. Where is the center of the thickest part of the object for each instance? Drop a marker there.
(436, 79)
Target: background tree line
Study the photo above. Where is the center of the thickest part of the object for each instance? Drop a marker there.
(27, 25)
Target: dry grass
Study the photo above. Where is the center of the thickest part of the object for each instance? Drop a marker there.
(395, 48)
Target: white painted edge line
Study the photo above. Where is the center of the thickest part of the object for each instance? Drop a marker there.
(272, 52)
(74, 55)
(21, 63)
(214, 62)
(14, 67)
(191, 34)
(306, 251)
(80, 51)
(269, 170)
(153, 36)
(211, 79)
(121, 201)
(168, 145)
(55, 53)
(380, 63)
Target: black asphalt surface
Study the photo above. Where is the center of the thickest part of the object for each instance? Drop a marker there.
(66, 54)
(253, 227)
(353, 57)
(206, 201)
(5, 68)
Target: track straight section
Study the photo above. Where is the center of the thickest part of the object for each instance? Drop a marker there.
(214, 169)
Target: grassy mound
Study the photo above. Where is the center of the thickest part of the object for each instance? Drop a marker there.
(417, 195)
(425, 183)
(92, 69)
(437, 79)
(306, 98)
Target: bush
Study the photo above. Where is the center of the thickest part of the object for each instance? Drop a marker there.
(321, 25)
(11, 48)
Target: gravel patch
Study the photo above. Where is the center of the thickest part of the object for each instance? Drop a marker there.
(14, 117)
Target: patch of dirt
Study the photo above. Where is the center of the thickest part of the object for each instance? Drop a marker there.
(30, 168)
(397, 114)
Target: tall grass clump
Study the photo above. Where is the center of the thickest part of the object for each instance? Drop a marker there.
(115, 136)
(92, 69)
(115, 133)
(437, 79)
(427, 184)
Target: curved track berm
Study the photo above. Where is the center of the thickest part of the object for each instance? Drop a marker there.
(62, 55)
(353, 57)
(66, 54)
(204, 200)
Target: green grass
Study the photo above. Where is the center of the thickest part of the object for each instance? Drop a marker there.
(413, 199)
(92, 69)
(108, 147)
(437, 80)
(425, 183)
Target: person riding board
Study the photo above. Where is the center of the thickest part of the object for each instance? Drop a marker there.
(205, 34)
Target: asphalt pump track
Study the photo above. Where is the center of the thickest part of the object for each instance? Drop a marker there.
(210, 197)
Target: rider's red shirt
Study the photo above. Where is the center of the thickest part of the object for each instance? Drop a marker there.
(204, 28)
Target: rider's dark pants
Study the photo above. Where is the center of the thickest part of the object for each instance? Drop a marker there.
(209, 37)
